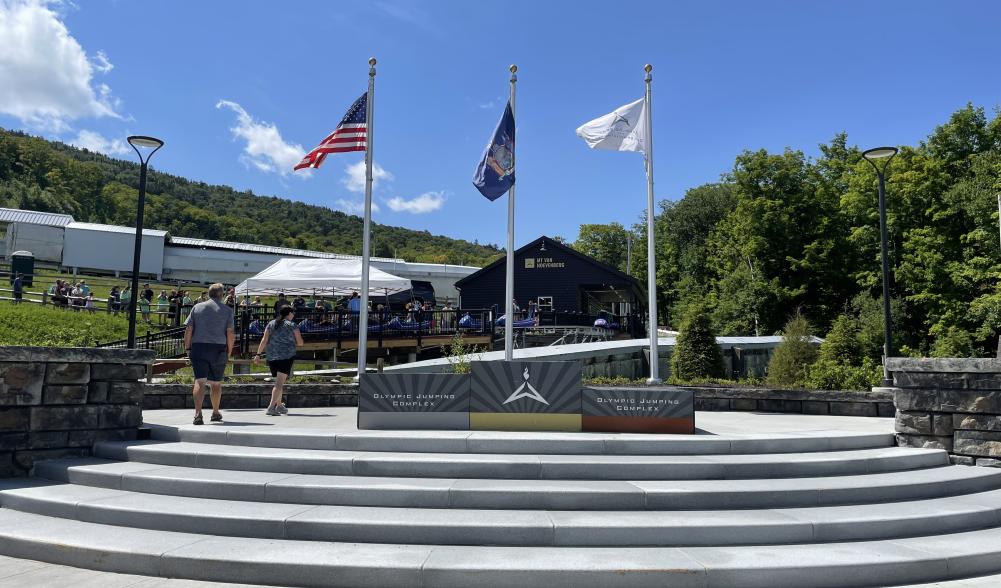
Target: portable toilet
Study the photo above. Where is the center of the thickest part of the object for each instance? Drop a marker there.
(22, 262)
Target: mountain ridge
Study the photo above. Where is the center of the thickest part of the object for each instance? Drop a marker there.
(51, 176)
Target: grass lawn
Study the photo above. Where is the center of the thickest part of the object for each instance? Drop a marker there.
(32, 324)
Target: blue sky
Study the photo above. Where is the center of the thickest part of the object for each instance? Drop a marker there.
(236, 88)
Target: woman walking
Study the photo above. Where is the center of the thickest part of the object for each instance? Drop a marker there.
(280, 340)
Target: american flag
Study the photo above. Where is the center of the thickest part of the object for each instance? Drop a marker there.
(350, 135)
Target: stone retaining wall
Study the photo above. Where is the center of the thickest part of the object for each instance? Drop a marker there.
(833, 402)
(951, 404)
(253, 396)
(57, 402)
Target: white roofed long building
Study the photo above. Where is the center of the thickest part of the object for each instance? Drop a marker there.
(58, 239)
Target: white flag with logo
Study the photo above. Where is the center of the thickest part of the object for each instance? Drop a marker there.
(624, 129)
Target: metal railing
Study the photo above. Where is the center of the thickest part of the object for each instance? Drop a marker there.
(341, 326)
(167, 343)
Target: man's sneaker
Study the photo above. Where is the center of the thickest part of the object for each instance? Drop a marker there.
(216, 417)
(282, 408)
(198, 420)
(273, 412)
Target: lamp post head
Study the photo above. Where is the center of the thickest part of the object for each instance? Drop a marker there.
(880, 153)
(138, 141)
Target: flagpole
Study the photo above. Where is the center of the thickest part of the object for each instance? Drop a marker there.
(651, 264)
(509, 277)
(366, 237)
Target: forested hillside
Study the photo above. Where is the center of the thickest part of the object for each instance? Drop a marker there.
(783, 231)
(50, 176)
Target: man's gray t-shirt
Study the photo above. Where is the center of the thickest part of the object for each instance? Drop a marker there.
(209, 321)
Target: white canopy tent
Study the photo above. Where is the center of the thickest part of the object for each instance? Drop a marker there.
(335, 277)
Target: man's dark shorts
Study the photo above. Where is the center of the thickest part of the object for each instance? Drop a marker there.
(208, 360)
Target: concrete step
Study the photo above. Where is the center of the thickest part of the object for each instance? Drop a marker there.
(506, 527)
(524, 467)
(522, 494)
(318, 563)
(523, 443)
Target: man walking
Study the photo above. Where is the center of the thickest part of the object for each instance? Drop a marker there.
(209, 338)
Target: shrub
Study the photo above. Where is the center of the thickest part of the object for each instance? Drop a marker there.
(830, 375)
(793, 357)
(842, 345)
(459, 354)
(614, 381)
(696, 354)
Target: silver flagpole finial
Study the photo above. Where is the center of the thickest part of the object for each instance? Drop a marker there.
(648, 68)
(513, 68)
(372, 62)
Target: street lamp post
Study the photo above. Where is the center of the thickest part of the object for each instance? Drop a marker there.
(151, 145)
(875, 156)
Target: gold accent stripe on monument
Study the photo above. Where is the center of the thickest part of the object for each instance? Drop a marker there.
(524, 421)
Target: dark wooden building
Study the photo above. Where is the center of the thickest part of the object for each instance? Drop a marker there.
(562, 281)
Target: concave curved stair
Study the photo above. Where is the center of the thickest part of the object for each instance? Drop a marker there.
(510, 509)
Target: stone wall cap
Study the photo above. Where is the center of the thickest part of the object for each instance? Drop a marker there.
(944, 364)
(77, 355)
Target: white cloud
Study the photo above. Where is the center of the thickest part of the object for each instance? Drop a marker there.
(426, 202)
(98, 143)
(491, 104)
(45, 75)
(265, 148)
(354, 206)
(101, 63)
(354, 176)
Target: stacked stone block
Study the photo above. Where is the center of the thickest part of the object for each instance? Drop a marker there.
(57, 402)
(951, 404)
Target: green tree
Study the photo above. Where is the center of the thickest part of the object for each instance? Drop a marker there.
(791, 361)
(604, 242)
(696, 354)
(842, 344)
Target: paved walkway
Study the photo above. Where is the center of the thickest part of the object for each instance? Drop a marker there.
(728, 424)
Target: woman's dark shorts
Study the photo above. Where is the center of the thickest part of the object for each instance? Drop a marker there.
(208, 361)
(281, 366)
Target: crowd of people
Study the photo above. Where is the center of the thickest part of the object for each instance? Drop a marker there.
(318, 315)
(78, 296)
(172, 307)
